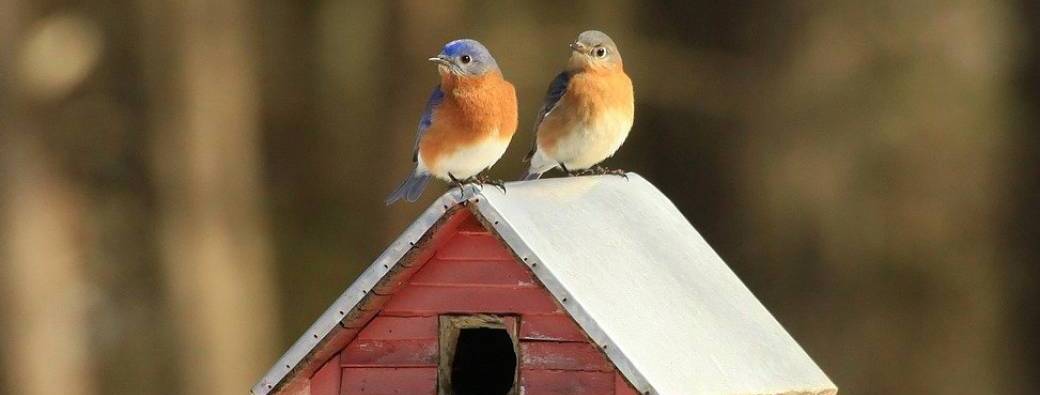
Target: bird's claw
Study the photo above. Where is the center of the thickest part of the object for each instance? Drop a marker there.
(484, 179)
(479, 180)
(600, 170)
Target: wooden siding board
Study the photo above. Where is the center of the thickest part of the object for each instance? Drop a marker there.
(358, 318)
(397, 278)
(420, 299)
(562, 382)
(471, 225)
(389, 381)
(474, 272)
(563, 356)
(326, 380)
(553, 327)
(469, 246)
(622, 387)
(390, 353)
(445, 233)
(400, 328)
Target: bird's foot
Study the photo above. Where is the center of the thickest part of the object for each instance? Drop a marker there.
(572, 173)
(461, 183)
(575, 173)
(484, 179)
(600, 170)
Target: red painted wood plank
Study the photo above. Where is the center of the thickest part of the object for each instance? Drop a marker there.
(373, 301)
(421, 299)
(359, 318)
(622, 387)
(389, 381)
(424, 249)
(474, 246)
(326, 380)
(398, 278)
(561, 382)
(400, 328)
(475, 272)
(555, 327)
(563, 356)
(333, 343)
(390, 353)
(417, 258)
(471, 224)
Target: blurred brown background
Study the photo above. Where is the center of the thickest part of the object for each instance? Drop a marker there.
(186, 185)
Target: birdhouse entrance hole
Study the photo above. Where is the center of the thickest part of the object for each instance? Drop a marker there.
(478, 355)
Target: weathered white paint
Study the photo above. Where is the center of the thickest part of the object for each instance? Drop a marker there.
(640, 280)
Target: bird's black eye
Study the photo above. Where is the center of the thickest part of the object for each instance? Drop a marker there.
(600, 52)
(465, 59)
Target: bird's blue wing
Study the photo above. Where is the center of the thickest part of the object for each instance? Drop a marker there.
(557, 88)
(427, 118)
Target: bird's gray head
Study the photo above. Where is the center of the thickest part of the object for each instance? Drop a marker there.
(594, 49)
(465, 58)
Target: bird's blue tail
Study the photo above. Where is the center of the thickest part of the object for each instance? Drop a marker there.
(410, 189)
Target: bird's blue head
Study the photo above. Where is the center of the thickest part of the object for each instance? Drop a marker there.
(465, 58)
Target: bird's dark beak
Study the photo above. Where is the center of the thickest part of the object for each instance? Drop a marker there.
(577, 47)
(441, 60)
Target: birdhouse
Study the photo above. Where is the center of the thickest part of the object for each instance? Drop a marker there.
(580, 285)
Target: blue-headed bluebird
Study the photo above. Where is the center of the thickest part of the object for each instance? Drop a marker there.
(468, 122)
(587, 112)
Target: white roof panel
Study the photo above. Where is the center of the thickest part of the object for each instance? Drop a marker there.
(640, 280)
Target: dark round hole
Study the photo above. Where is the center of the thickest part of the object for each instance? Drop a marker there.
(484, 363)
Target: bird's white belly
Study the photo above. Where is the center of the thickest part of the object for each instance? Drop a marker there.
(592, 142)
(468, 161)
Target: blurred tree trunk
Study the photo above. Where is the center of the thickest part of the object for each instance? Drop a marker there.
(1024, 227)
(43, 276)
(873, 172)
(214, 239)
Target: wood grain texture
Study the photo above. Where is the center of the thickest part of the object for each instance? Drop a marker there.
(389, 381)
(563, 356)
(557, 382)
(326, 380)
(622, 387)
(390, 353)
(465, 246)
(474, 272)
(400, 328)
(359, 318)
(554, 327)
(470, 224)
(416, 299)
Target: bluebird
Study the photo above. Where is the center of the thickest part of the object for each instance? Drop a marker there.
(587, 112)
(467, 124)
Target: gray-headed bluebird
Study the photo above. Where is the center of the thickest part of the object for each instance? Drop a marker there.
(587, 112)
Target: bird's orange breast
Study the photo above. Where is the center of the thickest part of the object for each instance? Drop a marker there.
(591, 94)
(474, 109)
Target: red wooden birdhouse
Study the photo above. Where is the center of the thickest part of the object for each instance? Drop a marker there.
(585, 285)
